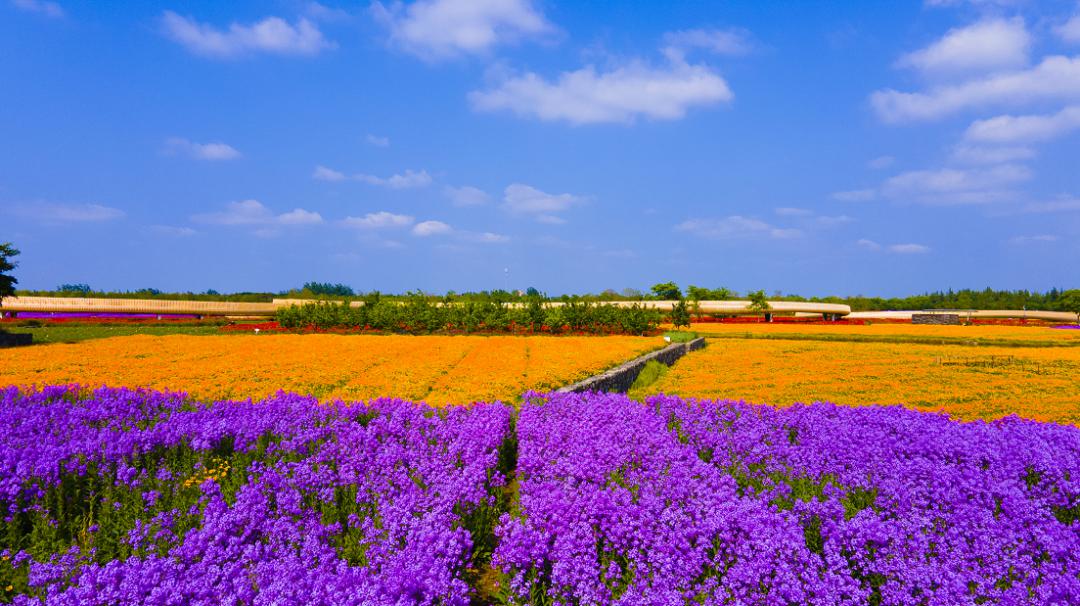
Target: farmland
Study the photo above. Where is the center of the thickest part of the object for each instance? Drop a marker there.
(967, 381)
(439, 370)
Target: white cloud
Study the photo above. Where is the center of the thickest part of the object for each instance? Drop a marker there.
(201, 151)
(41, 7)
(321, 12)
(254, 213)
(621, 95)
(881, 162)
(379, 220)
(986, 4)
(440, 29)
(67, 213)
(1025, 129)
(1070, 30)
(868, 244)
(431, 228)
(787, 211)
(272, 35)
(718, 41)
(173, 231)
(1039, 239)
(378, 141)
(525, 199)
(833, 220)
(976, 154)
(988, 45)
(1058, 205)
(466, 195)
(487, 237)
(956, 186)
(855, 195)
(1055, 78)
(327, 174)
(909, 249)
(734, 227)
(408, 180)
(299, 216)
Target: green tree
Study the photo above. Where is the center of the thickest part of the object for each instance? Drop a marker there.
(680, 314)
(1070, 301)
(758, 301)
(7, 281)
(667, 291)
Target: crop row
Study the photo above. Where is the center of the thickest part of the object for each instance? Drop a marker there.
(418, 315)
(122, 497)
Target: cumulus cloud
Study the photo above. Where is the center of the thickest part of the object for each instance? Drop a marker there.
(379, 220)
(1025, 129)
(431, 228)
(988, 45)
(41, 7)
(1055, 78)
(956, 186)
(254, 213)
(201, 151)
(1070, 30)
(466, 195)
(881, 162)
(1038, 239)
(173, 231)
(441, 29)
(272, 35)
(49, 212)
(978, 154)
(527, 200)
(909, 249)
(378, 141)
(407, 180)
(868, 244)
(620, 95)
(735, 227)
(1058, 205)
(487, 237)
(718, 41)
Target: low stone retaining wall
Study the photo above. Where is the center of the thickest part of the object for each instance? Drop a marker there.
(10, 340)
(941, 319)
(620, 378)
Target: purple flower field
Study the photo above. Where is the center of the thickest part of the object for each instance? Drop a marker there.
(117, 496)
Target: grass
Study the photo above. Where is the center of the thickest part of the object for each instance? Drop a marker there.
(652, 372)
(75, 333)
(680, 336)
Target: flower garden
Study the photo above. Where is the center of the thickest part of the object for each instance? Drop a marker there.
(119, 496)
(398, 470)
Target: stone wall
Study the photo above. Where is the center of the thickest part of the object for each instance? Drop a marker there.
(620, 378)
(942, 319)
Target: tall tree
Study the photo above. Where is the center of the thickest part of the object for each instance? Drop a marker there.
(1070, 301)
(7, 281)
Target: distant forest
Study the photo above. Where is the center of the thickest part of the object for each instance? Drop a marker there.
(958, 299)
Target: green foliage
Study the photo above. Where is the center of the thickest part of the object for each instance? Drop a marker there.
(7, 281)
(326, 288)
(680, 314)
(652, 372)
(758, 301)
(666, 291)
(81, 290)
(420, 315)
(680, 336)
(1070, 301)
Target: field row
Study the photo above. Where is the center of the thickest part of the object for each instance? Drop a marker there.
(122, 496)
(438, 370)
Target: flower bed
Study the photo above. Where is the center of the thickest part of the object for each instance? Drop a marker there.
(135, 497)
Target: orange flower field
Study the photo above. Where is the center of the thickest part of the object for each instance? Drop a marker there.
(439, 370)
(888, 330)
(967, 382)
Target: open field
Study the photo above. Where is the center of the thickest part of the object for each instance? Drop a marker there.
(1034, 336)
(439, 370)
(73, 333)
(969, 382)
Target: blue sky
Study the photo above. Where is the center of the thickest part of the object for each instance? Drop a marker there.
(859, 148)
